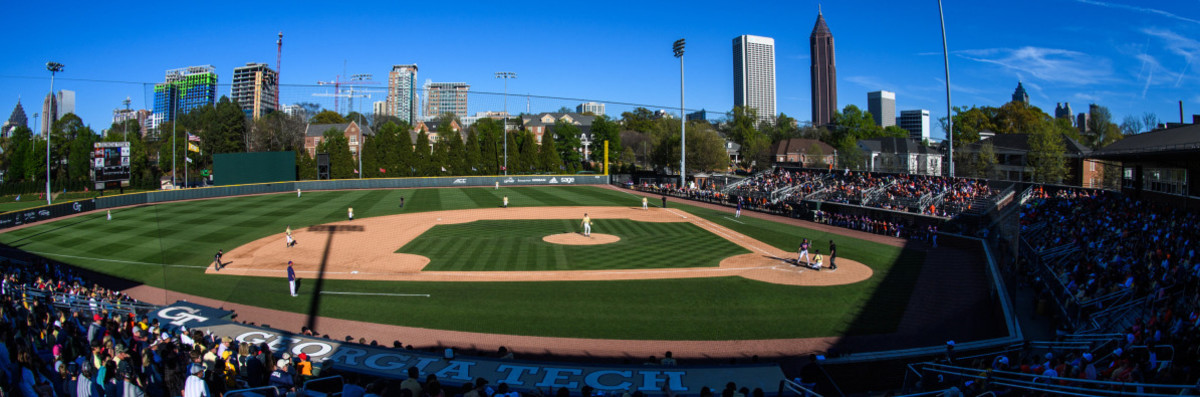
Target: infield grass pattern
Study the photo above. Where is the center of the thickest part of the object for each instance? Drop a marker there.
(516, 245)
(139, 240)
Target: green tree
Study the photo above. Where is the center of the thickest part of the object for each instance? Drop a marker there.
(422, 159)
(79, 164)
(306, 166)
(402, 157)
(548, 158)
(968, 123)
(705, 148)
(605, 129)
(1047, 156)
(1103, 130)
(527, 153)
(341, 162)
(984, 163)
(816, 156)
(641, 120)
(893, 131)
(457, 161)
(18, 150)
(1019, 118)
(473, 163)
(849, 156)
(488, 132)
(328, 117)
(566, 136)
(855, 123)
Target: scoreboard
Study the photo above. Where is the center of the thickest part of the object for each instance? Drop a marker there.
(110, 164)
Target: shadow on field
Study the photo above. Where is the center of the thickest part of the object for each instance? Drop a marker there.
(314, 305)
(930, 296)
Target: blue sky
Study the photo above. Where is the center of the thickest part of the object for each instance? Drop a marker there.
(1131, 56)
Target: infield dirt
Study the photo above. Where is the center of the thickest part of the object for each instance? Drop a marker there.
(365, 249)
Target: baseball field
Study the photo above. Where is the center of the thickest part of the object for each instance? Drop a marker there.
(450, 259)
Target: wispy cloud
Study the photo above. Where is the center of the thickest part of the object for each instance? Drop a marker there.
(869, 83)
(1185, 47)
(1153, 11)
(1087, 97)
(931, 53)
(1149, 65)
(957, 88)
(1048, 64)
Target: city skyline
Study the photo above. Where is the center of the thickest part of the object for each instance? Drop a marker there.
(1142, 63)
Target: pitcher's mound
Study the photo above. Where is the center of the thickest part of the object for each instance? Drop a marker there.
(580, 239)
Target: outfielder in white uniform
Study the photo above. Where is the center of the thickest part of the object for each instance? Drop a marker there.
(587, 225)
(645, 204)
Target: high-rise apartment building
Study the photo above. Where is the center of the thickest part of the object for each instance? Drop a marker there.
(49, 109)
(66, 103)
(445, 98)
(141, 115)
(823, 73)
(594, 108)
(916, 122)
(882, 105)
(1063, 111)
(1019, 95)
(402, 93)
(254, 87)
(184, 89)
(379, 108)
(754, 75)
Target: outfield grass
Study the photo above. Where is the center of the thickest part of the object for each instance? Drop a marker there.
(136, 243)
(516, 245)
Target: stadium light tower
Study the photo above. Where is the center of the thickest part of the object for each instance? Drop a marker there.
(54, 68)
(678, 47)
(949, 112)
(504, 130)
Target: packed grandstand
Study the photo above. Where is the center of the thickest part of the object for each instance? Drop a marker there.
(1120, 276)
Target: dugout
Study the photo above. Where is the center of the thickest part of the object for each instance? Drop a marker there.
(246, 168)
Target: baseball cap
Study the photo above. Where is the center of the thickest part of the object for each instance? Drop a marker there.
(196, 368)
(281, 363)
(289, 262)
(303, 356)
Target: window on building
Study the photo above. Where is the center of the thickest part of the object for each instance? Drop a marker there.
(1165, 180)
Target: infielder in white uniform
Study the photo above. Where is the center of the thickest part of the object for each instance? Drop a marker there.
(645, 204)
(587, 225)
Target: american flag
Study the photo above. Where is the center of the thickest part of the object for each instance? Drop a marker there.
(193, 138)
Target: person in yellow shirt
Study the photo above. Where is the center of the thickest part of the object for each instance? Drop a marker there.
(587, 225)
(505, 201)
(304, 367)
(817, 261)
(350, 213)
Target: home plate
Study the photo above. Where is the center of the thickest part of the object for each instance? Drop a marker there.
(354, 272)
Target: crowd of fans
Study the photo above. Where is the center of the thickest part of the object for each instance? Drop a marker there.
(781, 191)
(877, 226)
(61, 335)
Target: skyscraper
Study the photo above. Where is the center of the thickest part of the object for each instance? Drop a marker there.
(402, 93)
(754, 74)
(66, 104)
(445, 98)
(824, 73)
(1019, 95)
(916, 122)
(49, 109)
(184, 89)
(16, 119)
(1063, 111)
(254, 89)
(882, 105)
(379, 108)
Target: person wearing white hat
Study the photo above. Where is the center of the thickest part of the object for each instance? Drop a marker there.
(195, 386)
(280, 377)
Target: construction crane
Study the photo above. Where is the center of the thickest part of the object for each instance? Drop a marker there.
(337, 84)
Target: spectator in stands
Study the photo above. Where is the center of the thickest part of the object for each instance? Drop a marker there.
(280, 378)
(195, 386)
(413, 382)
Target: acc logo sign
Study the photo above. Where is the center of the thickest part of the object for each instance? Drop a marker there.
(460, 181)
(181, 315)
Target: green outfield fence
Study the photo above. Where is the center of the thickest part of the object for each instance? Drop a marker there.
(50, 212)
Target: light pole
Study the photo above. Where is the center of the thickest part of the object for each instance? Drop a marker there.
(127, 119)
(949, 114)
(54, 68)
(359, 149)
(174, 120)
(678, 47)
(505, 76)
